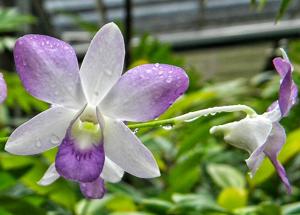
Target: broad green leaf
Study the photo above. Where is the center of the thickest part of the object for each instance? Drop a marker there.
(20, 207)
(121, 203)
(6, 180)
(131, 213)
(291, 209)
(186, 173)
(232, 198)
(289, 150)
(9, 162)
(4, 212)
(194, 203)
(226, 176)
(269, 209)
(157, 206)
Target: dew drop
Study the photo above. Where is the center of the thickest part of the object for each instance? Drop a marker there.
(178, 84)
(38, 143)
(212, 114)
(191, 120)
(135, 130)
(169, 80)
(160, 72)
(148, 71)
(78, 157)
(167, 127)
(156, 65)
(54, 139)
(108, 72)
(170, 72)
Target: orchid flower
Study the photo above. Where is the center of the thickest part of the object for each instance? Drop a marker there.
(262, 135)
(3, 89)
(90, 108)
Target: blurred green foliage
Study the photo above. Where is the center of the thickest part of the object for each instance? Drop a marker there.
(11, 21)
(201, 174)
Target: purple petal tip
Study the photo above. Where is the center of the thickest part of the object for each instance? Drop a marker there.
(93, 190)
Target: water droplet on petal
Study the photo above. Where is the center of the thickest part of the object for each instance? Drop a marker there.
(148, 71)
(160, 72)
(38, 143)
(191, 120)
(169, 80)
(157, 64)
(135, 130)
(167, 127)
(108, 72)
(54, 139)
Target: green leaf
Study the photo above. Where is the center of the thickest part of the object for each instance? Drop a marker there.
(131, 213)
(226, 176)
(269, 209)
(6, 181)
(20, 207)
(291, 209)
(232, 198)
(194, 203)
(283, 7)
(186, 173)
(9, 161)
(156, 206)
(121, 203)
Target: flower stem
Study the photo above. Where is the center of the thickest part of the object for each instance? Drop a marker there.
(191, 116)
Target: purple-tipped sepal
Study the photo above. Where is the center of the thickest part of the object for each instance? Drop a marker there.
(288, 89)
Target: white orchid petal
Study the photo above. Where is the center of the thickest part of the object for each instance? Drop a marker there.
(111, 172)
(50, 176)
(103, 63)
(247, 134)
(127, 151)
(43, 132)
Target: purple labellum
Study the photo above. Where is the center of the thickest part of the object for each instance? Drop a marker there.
(79, 165)
(94, 189)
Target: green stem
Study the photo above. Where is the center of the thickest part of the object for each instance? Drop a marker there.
(191, 116)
